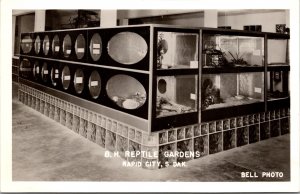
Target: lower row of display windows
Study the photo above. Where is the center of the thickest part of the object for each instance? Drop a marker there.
(175, 94)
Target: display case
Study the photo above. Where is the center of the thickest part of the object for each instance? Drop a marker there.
(278, 69)
(233, 73)
(156, 77)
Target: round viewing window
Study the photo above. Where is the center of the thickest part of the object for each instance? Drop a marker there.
(66, 77)
(96, 47)
(26, 44)
(162, 86)
(46, 45)
(67, 46)
(55, 45)
(54, 75)
(37, 45)
(80, 46)
(126, 91)
(79, 81)
(95, 84)
(36, 70)
(25, 68)
(45, 72)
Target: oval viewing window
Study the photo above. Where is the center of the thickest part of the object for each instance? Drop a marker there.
(55, 45)
(126, 91)
(36, 70)
(127, 48)
(95, 84)
(67, 46)
(80, 46)
(54, 75)
(26, 44)
(25, 68)
(45, 72)
(66, 77)
(96, 47)
(79, 81)
(162, 86)
(46, 45)
(37, 45)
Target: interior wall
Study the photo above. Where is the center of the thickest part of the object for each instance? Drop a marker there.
(24, 23)
(266, 20)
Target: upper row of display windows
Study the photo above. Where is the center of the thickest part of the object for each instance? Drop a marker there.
(175, 50)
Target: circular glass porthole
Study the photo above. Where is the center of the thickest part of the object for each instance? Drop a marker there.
(55, 45)
(25, 68)
(66, 77)
(95, 84)
(36, 70)
(80, 46)
(79, 81)
(54, 76)
(26, 44)
(162, 86)
(96, 47)
(46, 45)
(126, 91)
(127, 48)
(45, 72)
(37, 45)
(67, 46)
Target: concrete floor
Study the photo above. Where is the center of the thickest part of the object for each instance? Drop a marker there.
(44, 150)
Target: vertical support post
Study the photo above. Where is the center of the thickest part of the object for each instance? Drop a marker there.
(14, 18)
(211, 18)
(266, 71)
(39, 20)
(108, 18)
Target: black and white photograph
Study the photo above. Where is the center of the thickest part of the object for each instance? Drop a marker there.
(125, 99)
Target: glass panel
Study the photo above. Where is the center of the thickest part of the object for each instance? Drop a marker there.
(232, 51)
(80, 46)
(176, 95)
(55, 45)
(54, 76)
(278, 84)
(46, 45)
(67, 46)
(277, 52)
(95, 84)
(37, 45)
(126, 91)
(231, 89)
(79, 81)
(45, 72)
(66, 77)
(96, 47)
(26, 44)
(25, 68)
(127, 48)
(36, 70)
(177, 50)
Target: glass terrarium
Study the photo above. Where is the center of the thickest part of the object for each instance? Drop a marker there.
(25, 68)
(45, 72)
(278, 52)
(54, 75)
(126, 91)
(176, 95)
(232, 51)
(231, 89)
(278, 84)
(176, 50)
